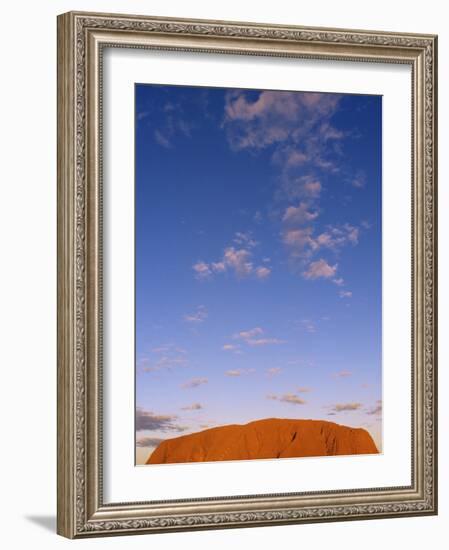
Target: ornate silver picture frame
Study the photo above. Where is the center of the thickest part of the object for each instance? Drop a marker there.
(82, 41)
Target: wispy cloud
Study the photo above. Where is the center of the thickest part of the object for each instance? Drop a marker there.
(291, 398)
(148, 441)
(245, 239)
(303, 389)
(175, 125)
(148, 420)
(308, 325)
(164, 362)
(359, 180)
(262, 272)
(193, 407)
(198, 316)
(239, 372)
(230, 347)
(346, 407)
(345, 294)
(248, 334)
(253, 337)
(194, 382)
(376, 410)
(265, 341)
(273, 371)
(342, 374)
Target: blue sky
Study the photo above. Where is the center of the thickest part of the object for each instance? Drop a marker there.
(258, 259)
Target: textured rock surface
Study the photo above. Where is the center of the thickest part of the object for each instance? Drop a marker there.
(268, 438)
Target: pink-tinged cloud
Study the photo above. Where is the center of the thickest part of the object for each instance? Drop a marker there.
(312, 189)
(299, 238)
(296, 158)
(320, 270)
(277, 118)
(229, 347)
(202, 270)
(238, 260)
(299, 214)
(262, 272)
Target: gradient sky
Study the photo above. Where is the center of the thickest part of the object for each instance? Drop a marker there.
(258, 259)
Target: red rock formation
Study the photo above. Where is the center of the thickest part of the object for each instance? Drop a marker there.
(268, 438)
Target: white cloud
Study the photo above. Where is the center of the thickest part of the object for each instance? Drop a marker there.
(320, 269)
(345, 294)
(198, 316)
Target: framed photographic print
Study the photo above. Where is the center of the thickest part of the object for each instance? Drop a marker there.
(246, 274)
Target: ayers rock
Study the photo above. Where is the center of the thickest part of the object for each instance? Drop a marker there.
(267, 438)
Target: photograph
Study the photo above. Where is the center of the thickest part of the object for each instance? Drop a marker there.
(258, 274)
(247, 273)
